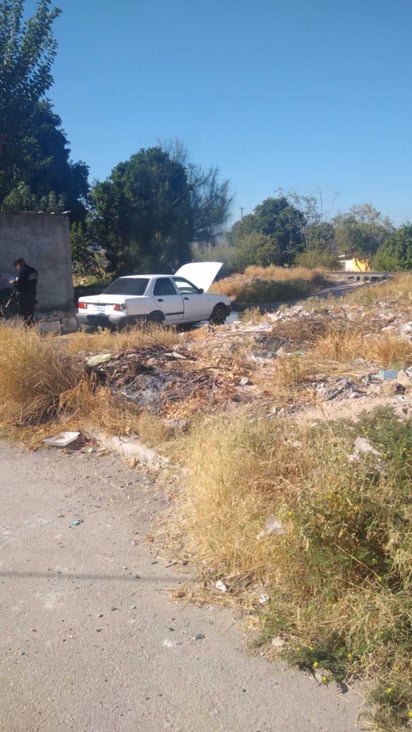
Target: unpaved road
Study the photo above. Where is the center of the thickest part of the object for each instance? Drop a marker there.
(90, 639)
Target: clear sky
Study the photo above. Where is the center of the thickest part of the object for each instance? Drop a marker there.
(303, 95)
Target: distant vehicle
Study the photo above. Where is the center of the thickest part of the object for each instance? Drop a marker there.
(176, 299)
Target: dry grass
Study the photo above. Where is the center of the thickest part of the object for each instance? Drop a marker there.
(43, 383)
(338, 567)
(396, 290)
(383, 350)
(34, 373)
(131, 339)
(270, 284)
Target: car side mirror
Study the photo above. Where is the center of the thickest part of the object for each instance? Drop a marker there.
(201, 290)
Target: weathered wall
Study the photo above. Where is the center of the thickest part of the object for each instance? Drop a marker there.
(43, 240)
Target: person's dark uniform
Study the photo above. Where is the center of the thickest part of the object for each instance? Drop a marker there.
(25, 284)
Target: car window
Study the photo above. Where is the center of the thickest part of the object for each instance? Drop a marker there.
(127, 286)
(185, 287)
(164, 286)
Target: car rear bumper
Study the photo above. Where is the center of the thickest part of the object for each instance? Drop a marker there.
(102, 320)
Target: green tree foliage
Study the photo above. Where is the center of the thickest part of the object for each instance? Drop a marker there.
(395, 254)
(314, 258)
(361, 230)
(152, 207)
(272, 234)
(35, 168)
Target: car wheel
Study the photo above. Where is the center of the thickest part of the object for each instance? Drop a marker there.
(155, 317)
(219, 314)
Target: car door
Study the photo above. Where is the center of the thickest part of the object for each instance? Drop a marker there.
(168, 300)
(196, 303)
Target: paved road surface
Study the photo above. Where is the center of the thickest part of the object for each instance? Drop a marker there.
(89, 638)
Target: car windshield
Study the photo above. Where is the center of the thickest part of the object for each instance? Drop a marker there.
(127, 286)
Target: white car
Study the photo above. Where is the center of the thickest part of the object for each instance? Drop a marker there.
(171, 299)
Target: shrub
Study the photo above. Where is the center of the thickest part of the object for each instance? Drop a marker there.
(314, 259)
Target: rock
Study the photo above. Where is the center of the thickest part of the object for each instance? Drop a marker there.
(200, 636)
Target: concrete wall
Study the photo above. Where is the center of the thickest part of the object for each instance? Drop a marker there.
(43, 240)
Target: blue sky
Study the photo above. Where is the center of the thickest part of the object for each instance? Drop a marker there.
(304, 95)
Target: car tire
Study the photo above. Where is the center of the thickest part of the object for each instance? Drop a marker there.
(156, 317)
(219, 314)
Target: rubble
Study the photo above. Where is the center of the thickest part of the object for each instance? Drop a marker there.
(267, 367)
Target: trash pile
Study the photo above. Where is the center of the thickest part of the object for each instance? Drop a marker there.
(168, 383)
(242, 364)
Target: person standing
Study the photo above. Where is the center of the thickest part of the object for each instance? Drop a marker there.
(25, 285)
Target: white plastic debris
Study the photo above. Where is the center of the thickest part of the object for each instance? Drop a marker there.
(263, 599)
(363, 447)
(273, 527)
(168, 644)
(99, 359)
(63, 439)
(221, 586)
(277, 642)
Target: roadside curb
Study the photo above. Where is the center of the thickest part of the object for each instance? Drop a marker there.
(129, 447)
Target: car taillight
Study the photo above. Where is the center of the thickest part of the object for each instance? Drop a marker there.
(119, 308)
(82, 305)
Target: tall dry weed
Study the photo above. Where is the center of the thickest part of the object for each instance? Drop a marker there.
(34, 372)
(137, 338)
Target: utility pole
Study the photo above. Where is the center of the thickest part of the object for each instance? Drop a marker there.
(241, 213)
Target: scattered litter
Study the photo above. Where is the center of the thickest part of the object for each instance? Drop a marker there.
(63, 439)
(245, 381)
(388, 375)
(168, 644)
(362, 446)
(77, 522)
(272, 527)
(342, 388)
(99, 359)
(221, 586)
(263, 599)
(277, 642)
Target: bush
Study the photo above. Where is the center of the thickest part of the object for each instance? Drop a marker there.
(314, 259)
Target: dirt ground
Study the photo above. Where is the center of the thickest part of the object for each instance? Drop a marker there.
(90, 637)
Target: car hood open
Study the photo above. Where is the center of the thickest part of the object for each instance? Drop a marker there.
(201, 274)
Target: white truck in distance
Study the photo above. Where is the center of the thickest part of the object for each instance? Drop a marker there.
(176, 299)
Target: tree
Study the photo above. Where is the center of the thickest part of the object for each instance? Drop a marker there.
(281, 225)
(361, 230)
(152, 207)
(317, 230)
(395, 254)
(27, 52)
(36, 172)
